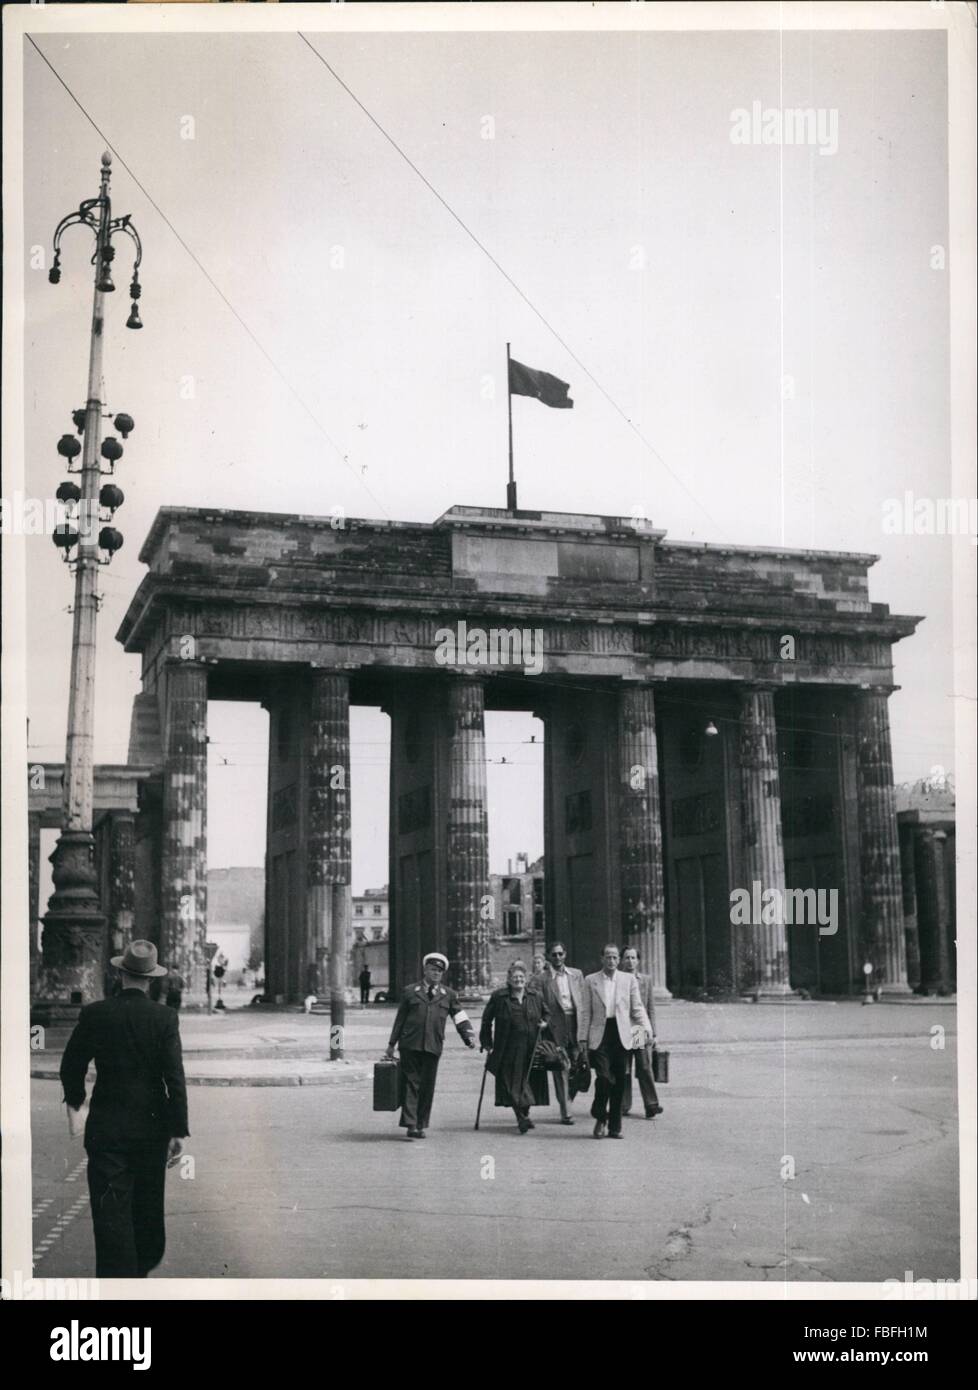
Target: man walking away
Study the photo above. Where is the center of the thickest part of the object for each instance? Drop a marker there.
(138, 1116)
(642, 1055)
(364, 979)
(419, 1033)
(610, 1008)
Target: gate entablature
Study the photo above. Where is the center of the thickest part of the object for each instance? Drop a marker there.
(607, 599)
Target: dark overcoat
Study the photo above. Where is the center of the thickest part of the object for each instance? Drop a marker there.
(140, 1093)
(509, 1050)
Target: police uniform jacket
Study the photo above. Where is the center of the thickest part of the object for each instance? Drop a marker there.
(420, 1023)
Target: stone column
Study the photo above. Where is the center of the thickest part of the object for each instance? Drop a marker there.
(882, 940)
(907, 839)
(33, 893)
(468, 838)
(183, 885)
(763, 849)
(640, 834)
(122, 880)
(329, 910)
(932, 911)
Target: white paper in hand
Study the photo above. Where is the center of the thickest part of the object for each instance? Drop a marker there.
(76, 1120)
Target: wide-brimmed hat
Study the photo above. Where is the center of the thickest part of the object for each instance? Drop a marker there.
(140, 959)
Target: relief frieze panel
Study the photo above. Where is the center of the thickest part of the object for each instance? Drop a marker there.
(667, 641)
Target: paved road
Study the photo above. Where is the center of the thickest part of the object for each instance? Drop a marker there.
(293, 1182)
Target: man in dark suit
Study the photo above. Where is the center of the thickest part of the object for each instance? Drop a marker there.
(138, 1115)
(642, 1055)
(562, 987)
(419, 1033)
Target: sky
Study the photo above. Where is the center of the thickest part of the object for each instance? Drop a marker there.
(756, 336)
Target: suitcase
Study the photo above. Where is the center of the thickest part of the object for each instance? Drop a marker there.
(387, 1085)
(660, 1066)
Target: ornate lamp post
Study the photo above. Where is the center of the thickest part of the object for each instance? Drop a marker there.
(74, 925)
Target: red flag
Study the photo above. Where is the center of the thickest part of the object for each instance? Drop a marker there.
(527, 381)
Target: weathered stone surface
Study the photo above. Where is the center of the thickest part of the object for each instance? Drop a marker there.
(468, 838)
(328, 820)
(882, 936)
(183, 892)
(640, 833)
(122, 882)
(763, 851)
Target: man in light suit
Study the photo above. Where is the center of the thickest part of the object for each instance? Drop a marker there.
(610, 1007)
(642, 1055)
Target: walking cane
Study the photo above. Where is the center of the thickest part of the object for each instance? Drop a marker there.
(482, 1090)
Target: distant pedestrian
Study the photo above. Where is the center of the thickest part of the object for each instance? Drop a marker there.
(138, 1116)
(419, 1034)
(364, 979)
(511, 1026)
(220, 970)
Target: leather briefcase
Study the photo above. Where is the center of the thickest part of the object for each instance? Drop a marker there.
(387, 1085)
(660, 1066)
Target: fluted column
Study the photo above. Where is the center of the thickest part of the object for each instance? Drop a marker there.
(763, 849)
(122, 880)
(882, 939)
(328, 842)
(183, 893)
(468, 838)
(640, 833)
(33, 892)
(932, 911)
(907, 839)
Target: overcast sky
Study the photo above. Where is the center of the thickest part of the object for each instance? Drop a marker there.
(690, 274)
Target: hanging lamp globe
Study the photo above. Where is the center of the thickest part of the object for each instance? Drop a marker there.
(110, 539)
(68, 447)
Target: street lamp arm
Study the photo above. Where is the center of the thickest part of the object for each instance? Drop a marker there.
(123, 224)
(81, 218)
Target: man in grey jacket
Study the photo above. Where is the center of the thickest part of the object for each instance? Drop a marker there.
(642, 1055)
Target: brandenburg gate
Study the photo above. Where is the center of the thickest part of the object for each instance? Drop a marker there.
(715, 718)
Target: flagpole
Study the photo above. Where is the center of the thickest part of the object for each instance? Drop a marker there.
(511, 485)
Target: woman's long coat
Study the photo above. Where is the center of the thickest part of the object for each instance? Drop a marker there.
(509, 1049)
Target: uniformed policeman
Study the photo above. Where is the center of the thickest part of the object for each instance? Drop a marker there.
(419, 1034)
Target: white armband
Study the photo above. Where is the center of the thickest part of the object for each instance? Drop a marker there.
(461, 1017)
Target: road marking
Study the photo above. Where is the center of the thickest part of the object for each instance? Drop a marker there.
(57, 1231)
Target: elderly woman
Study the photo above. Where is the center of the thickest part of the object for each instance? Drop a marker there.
(511, 1025)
